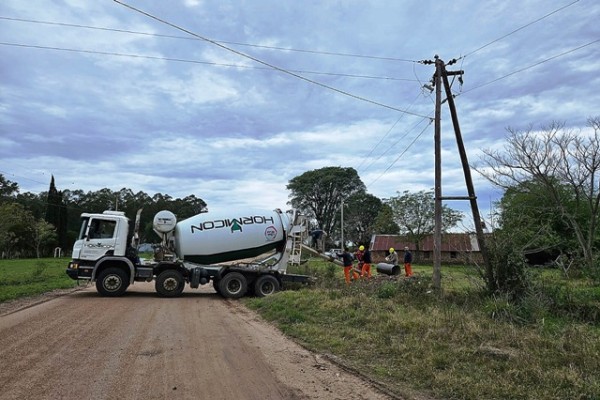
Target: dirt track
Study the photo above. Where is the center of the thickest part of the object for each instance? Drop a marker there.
(199, 346)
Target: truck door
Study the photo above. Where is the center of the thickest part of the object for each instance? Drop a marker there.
(99, 239)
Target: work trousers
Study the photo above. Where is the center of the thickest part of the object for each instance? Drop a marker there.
(408, 269)
(347, 273)
(366, 270)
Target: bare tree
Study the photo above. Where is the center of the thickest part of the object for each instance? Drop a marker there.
(555, 158)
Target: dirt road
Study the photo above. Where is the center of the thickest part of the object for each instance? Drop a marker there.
(199, 346)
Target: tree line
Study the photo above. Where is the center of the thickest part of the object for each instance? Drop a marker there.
(33, 225)
(36, 224)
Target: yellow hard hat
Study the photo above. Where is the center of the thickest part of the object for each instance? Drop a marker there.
(391, 249)
(361, 248)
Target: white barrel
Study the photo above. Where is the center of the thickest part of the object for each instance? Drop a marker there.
(210, 238)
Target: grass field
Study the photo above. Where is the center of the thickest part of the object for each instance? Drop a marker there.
(29, 277)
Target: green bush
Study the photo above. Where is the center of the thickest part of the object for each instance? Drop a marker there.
(387, 290)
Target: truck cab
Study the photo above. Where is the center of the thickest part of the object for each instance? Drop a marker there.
(101, 235)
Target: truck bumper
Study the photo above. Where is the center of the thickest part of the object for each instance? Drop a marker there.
(72, 273)
(76, 272)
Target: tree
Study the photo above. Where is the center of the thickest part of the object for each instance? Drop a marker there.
(384, 223)
(16, 227)
(56, 213)
(8, 189)
(189, 206)
(360, 217)
(534, 222)
(43, 235)
(414, 214)
(320, 192)
(556, 158)
(35, 203)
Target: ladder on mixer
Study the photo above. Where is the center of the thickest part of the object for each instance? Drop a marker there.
(298, 235)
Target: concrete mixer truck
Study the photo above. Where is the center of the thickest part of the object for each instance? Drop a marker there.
(194, 251)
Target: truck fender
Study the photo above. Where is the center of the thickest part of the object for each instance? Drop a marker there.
(120, 260)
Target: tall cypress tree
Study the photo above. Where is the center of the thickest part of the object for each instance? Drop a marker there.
(56, 214)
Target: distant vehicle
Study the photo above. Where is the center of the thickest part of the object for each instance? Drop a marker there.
(333, 252)
(146, 248)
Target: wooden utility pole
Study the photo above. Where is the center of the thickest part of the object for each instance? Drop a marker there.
(441, 75)
(437, 235)
(343, 245)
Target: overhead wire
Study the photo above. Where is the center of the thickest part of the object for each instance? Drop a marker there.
(384, 136)
(283, 70)
(23, 177)
(402, 153)
(532, 65)
(197, 37)
(109, 53)
(330, 53)
(521, 28)
(521, 69)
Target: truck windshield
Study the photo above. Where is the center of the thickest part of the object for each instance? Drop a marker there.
(84, 224)
(102, 229)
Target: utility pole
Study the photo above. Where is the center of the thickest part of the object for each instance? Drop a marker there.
(441, 76)
(342, 225)
(437, 234)
(467, 172)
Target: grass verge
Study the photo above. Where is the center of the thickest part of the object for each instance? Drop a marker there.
(458, 345)
(30, 277)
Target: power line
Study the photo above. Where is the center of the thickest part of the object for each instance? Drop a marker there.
(401, 154)
(384, 136)
(521, 28)
(285, 71)
(533, 65)
(329, 53)
(23, 177)
(108, 53)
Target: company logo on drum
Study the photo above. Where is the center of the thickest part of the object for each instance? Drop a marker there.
(271, 233)
(235, 224)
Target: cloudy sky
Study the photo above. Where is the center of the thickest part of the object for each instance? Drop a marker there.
(229, 100)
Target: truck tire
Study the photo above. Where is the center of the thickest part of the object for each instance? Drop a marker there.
(233, 285)
(169, 283)
(266, 285)
(112, 282)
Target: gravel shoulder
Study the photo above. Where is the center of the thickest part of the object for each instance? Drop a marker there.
(73, 344)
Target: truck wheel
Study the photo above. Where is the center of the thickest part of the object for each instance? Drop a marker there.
(169, 283)
(233, 285)
(112, 282)
(266, 285)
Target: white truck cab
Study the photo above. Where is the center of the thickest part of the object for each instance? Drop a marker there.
(101, 235)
